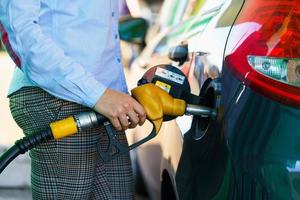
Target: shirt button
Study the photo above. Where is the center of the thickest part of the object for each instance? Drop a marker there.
(119, 60)
(113, 14)
(116, 36)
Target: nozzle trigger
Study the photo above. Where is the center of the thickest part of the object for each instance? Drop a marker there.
(119, 148)
(111, 152)
(151, 135)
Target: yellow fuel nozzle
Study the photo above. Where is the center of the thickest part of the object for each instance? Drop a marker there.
(158, 103)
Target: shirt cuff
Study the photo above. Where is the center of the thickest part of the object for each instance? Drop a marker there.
(93, 90)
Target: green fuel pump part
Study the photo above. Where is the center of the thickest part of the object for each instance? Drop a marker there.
(157, 103)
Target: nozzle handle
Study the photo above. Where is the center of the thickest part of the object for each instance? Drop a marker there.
(115, 148)
(151, 135)
(101, 119)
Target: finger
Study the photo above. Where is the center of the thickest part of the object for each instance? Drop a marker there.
(124, 121)
(116, 124)
(142, 119)
(133, 118)
(138, 108)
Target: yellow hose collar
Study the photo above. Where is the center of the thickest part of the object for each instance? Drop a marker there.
(63, 128)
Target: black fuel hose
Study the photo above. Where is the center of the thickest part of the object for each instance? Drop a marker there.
(56, 130)
(23, 145)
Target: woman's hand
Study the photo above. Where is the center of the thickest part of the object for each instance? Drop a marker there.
(121, 109)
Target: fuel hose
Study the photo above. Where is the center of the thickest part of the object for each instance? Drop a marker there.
(56, 130)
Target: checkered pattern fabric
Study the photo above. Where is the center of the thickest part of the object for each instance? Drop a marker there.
(71, 167)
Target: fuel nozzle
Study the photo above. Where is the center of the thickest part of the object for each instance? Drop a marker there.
(199, 110)
(158, 103)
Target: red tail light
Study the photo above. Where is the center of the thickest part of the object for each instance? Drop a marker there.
(263, 49)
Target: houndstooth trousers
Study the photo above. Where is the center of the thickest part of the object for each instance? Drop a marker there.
(71, 167)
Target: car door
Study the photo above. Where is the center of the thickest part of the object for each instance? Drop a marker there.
(203, 165)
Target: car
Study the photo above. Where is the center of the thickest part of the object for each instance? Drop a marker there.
(246, 63)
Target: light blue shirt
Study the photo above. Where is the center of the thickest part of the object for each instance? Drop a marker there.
(69, 48)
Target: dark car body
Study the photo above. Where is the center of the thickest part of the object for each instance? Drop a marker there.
(246, 62)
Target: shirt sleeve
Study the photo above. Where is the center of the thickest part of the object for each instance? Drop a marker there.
(43, 61)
